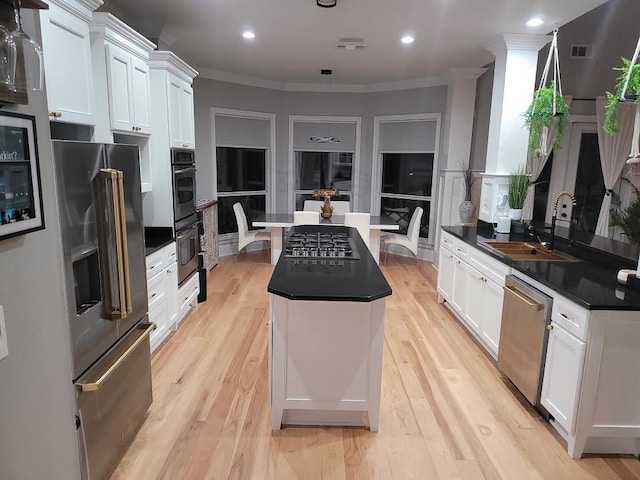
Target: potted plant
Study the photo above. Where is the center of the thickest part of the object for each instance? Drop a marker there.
(518, 187)
(631, 71)
(466, 209)
(542, 113)
(629, 220)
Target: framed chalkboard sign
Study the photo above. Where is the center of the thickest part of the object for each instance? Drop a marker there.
(20, 190)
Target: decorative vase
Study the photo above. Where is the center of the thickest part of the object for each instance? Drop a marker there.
(466, 209)
(515, 213)
(326, 210)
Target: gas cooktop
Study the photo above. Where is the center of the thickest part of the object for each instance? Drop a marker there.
(321, 245)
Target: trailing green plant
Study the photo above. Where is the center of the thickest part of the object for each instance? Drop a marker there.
(629, 220)
(540, 114)
(632, 93)
(518, 187)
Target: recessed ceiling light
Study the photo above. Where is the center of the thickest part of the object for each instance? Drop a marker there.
(534, 22)
(407, 39)
(249, 34)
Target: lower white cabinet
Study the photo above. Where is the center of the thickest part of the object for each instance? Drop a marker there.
(471, 283)
(188, 295)
(563, 376)
(162, 292)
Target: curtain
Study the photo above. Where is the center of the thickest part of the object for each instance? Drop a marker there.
(614, 151)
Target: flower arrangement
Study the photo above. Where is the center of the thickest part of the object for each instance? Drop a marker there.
(326, 193)
(518, 187)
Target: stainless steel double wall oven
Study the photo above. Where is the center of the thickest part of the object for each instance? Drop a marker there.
(184, 211)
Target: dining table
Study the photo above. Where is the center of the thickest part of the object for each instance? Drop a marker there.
(278, 222)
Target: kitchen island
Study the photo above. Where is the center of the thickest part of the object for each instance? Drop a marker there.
(326, 335)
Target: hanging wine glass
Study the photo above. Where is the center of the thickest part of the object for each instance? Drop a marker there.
(30, 53)
(7, 58)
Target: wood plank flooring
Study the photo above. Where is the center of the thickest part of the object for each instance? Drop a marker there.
(446, 412)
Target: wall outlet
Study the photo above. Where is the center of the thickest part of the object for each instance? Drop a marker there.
(4, 349)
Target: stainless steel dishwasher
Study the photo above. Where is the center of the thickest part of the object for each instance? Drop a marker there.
(526, 312)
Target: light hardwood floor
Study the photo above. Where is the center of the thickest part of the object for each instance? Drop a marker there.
(446, 413)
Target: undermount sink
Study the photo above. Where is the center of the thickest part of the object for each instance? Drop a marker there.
(530, 252)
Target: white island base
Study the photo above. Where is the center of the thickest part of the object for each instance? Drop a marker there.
(325, 362)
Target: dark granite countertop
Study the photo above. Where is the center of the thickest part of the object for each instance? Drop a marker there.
(333, 280)
(590, 282)
(156, 238)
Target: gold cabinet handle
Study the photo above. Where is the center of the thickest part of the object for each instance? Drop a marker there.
(55, 114)
(93, 386)
(549, 327)
(185, 145)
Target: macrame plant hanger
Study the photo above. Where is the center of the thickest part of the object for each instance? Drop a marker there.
(634, 156)
(543, 143)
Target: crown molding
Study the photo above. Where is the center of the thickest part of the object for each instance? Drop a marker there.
(318, 87)
(166, 60)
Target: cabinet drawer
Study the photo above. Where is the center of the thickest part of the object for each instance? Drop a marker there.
(573, 318)
(188, 292)
(155, 289)
(170, 253)
(155, 263)
(461, 248)
(489, 267)
(446, 240)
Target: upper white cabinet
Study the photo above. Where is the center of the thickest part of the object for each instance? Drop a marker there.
(172, 79)
(66, 45)
(125, 53)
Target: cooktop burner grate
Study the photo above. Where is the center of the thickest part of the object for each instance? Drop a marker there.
(320, 245)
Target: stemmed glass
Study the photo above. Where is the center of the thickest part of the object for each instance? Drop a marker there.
(7, 58)
(30, 52)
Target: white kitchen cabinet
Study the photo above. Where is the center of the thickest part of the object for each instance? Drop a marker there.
(562, 376)
(66, 42)
(471, 282)
(181, 120)
(121, 74)
(188, 295)
(162, 292)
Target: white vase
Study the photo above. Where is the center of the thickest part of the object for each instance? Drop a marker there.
(515, 213)
(466, 210)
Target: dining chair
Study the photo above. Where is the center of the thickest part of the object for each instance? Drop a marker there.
(246, 236)
(303, 217)
(362, 222)
(408, 241)
(312, 205)
(340, 207)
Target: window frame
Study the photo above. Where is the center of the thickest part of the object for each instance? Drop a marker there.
(355, 163)
(269, 191)
(376, 168)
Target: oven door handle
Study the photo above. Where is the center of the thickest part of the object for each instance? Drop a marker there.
(93, 386)
(184, 170)
(531, 304)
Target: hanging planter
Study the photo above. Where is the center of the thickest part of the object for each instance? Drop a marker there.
(548, 106)
(627, 90)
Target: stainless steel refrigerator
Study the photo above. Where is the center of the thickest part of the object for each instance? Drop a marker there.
(100, 205)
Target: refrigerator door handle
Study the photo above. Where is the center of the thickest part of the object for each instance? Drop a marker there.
(112, 240)
(93, 386)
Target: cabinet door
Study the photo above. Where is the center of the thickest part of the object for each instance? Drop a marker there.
(172, 295)
(158, 315)
(563, 376)
(460, 289)
(445, 274)
(493, 296)
(474, 314)
(65, 41)
(120, 89)
(187, 121)
(174, 89)
(140, 95)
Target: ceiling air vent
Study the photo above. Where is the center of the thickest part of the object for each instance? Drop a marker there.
(581, 51)
(346, 43)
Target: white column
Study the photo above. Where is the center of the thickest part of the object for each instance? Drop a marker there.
(458, 127)
(513, 86)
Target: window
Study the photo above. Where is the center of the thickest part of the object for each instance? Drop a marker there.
(241, 177)
(324, 154)
(406, 167)
(243, 143)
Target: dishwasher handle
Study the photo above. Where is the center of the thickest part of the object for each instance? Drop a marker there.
(528, 301)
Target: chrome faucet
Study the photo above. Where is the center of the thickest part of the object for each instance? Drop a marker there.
(554, 215)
